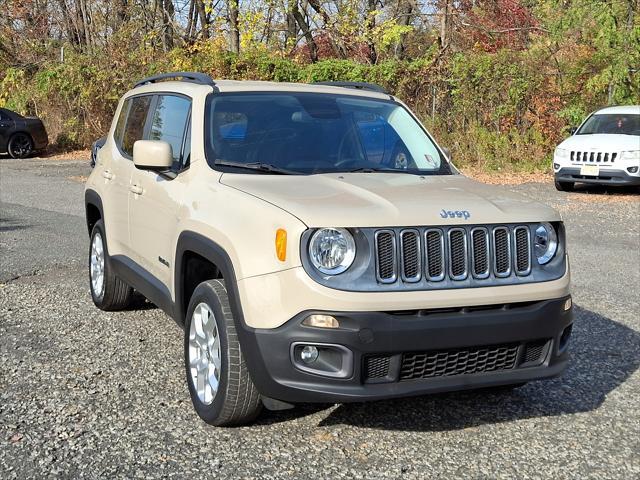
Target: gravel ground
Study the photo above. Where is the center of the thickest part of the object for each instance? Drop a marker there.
(85, 393)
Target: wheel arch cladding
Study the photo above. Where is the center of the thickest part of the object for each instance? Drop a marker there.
(190, 243)
(93, 208)
(203, 259)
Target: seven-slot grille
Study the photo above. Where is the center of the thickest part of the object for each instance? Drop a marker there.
(457, 253)
(593, 157)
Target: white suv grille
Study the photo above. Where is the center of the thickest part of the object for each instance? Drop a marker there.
(593, 157)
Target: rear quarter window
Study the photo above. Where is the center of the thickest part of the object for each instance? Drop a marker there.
(122, 118)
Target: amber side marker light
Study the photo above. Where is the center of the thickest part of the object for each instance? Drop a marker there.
(281, 244)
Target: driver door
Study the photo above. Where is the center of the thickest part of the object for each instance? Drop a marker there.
(155, 198)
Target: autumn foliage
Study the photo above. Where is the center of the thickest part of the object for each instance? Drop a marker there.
(498, 81)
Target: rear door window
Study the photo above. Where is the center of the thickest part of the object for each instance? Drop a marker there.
(169, 122)
(135, 126)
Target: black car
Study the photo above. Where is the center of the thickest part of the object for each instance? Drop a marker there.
(95, 148)
(21, 136)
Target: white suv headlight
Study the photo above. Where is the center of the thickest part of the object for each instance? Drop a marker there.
(545, 242)
(332, 250)
(630, 155)
(562, 153)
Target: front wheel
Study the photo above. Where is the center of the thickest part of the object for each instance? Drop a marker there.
(20, 146)
(221, 389)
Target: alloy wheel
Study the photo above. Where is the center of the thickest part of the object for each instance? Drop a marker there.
(205, 361)
(96, 265)
(20, 146)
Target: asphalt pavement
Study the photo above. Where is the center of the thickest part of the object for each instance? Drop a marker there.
(91, 394)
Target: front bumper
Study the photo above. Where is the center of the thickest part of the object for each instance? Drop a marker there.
(422, 351)
(606, 177)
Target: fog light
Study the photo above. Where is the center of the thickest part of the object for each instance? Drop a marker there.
(556, 166)
(321, 321)
(567, 304)
(632, 169)
(309, 354)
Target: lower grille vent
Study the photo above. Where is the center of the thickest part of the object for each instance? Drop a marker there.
(461, 361)
(377, 367)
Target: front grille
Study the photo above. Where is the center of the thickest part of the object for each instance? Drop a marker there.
(593, 157)
(377, 366)
(480, 252)
(455, 253)
(435, 254)
(501, 252)
(461, 361)
(386, 256)
(523, 250)
(411, 258)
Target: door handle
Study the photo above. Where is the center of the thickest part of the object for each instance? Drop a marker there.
(136, 189)
(107, 174)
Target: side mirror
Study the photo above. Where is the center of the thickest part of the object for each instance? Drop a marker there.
(573, 130)
(447, 153)
(152, 155)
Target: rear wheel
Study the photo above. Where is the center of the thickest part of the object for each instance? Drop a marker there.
(221, 389)
(107, 290)
(564, 186)
(20, 145)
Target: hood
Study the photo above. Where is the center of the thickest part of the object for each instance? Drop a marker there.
(389, 199)
(602, 142)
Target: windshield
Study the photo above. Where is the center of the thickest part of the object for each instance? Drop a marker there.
(621, 123)
(317, 133)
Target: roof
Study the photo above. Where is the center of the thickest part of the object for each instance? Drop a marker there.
(189, 88)
(622, 109)
(258, 86)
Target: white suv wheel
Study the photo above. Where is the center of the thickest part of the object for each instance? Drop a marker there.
(97, 265)
(205, 362)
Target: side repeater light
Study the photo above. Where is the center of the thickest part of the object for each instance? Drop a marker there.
(281, 244)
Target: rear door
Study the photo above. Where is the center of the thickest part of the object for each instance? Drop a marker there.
(132, 126)
(156, 197)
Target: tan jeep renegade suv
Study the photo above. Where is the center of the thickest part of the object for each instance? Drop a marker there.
(317, 245)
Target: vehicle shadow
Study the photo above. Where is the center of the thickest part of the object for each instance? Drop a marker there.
(604, 354)
(12, 225)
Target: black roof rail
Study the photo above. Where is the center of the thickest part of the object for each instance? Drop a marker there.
(193, 77)
(357, 85)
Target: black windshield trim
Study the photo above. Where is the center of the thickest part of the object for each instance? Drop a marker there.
(210, 156)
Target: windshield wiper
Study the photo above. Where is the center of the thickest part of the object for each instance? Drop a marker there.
(257, 166)
(372, 170)
(411, 171)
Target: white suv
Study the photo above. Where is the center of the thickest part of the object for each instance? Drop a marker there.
(605, 149)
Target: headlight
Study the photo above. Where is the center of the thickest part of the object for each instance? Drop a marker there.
(332, 250)
(545, 243)
(562, 153)
(631, 155)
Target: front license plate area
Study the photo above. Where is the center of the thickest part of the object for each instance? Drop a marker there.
(590, 170)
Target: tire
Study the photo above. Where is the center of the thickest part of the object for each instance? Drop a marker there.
(564, 186)
(217, 356)
(20, 145)
(110, 293)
